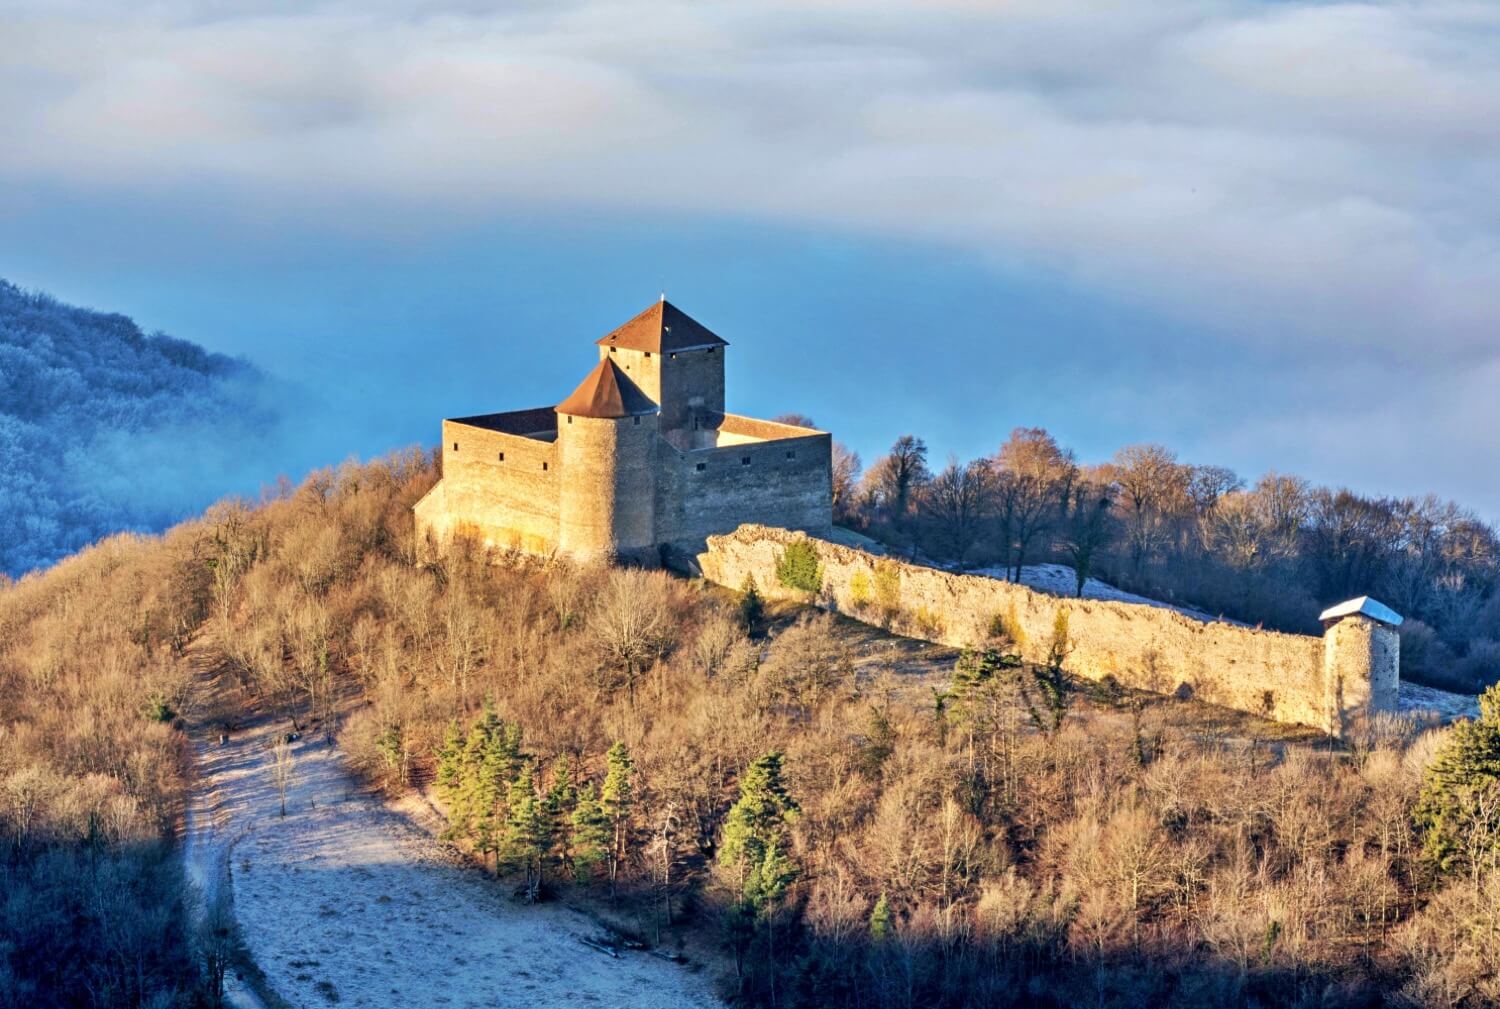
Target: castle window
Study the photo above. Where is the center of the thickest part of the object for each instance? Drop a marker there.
(613, 349)
(791, 455)
(712, 349)
(455, 446)
(744, 460)
(648, 355)
(501, 458)
(702, 466)
(544, 467)
(637, 421)
(570, 418)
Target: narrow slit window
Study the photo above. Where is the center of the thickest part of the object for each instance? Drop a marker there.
(544, 467)
(570, 419)
(744, 460)
(500, 457)
(637, 421)
(455, 446)
(702, 466)
(791, 455)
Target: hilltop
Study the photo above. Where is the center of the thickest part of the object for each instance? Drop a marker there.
(812, 811)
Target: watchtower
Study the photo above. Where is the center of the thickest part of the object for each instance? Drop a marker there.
(606, 452)
(1361, 660)
(675, 361)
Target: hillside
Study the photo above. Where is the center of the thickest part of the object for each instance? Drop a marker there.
(104, 428)
(813, 811)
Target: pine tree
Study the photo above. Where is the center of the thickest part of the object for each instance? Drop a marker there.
(558, 806)
(528, 832)
(771, 878)
(591, 834)
(752, 607)
(1459, 806)
(490, 758)
(615, 798)
(755, 844)
(880, 920)
(756, 836)
(450, 762)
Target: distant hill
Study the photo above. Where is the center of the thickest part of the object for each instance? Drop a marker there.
(105, 428)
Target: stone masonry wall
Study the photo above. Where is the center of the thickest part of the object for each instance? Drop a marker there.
(510, 503)
(787, 483)
(1278, 676)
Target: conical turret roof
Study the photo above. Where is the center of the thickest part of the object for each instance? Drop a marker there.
(607, 393)
(663, 327)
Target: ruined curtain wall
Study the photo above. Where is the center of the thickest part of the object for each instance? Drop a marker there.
(1279, 676)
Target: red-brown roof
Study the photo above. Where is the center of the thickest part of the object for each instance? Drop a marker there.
(662, 327)
(607, 393)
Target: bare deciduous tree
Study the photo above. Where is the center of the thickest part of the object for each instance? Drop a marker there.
(958, 501)
(1034, 477)
(283, 768)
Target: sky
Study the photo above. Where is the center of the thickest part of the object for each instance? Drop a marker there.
(1264, 234)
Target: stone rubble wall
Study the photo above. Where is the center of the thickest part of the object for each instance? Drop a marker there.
(1275, 675)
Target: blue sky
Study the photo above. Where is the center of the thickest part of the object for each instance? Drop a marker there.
(1267, 235)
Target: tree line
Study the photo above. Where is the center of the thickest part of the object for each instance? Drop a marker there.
(1272, 552)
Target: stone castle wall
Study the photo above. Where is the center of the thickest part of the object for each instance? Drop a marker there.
(617, 488)
(501, 488)
(1278, 676)
(786, 483)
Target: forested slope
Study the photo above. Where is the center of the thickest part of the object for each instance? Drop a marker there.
(104, 428)
(844, 833)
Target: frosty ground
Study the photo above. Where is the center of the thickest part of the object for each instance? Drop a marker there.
(347, 901)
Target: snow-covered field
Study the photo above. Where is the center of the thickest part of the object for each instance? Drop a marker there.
(1059, 580)
(1419, 700)
(346, 901)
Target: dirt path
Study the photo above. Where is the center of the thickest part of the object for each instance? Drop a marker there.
(208, 842)
(344, 901)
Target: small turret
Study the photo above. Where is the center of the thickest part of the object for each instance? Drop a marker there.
(1361, 661)
(606, 443)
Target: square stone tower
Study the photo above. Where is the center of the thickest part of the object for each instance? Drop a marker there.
(677, 362)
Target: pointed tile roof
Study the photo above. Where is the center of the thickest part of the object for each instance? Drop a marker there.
(606, 393)
(661, 328)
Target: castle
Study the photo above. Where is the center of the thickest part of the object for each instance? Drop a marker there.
(639, 460)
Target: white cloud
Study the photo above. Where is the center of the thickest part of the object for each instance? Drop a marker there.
(1315, 179)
